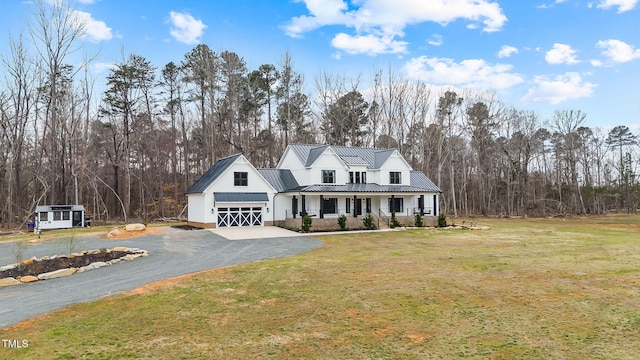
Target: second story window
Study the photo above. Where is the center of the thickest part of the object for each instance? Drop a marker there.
(394, 177)
(240, 179)
(364, 177)
(328, 176)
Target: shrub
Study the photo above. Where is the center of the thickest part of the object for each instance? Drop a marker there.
(394, 220)
(342, 222)
(419, 222)
(368, 223)
(306, 224)
(442, 220)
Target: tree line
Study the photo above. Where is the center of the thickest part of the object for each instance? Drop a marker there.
(132, 150)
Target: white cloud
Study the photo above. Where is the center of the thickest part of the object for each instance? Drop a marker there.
(561, 54)
(386, 20)
(435, 40)
(623, 5)
(185, 28)
(473, 74)
(368, 44)
(618, 51)
(100, 67)
(559, 89)
(94, 30)
(507, 51)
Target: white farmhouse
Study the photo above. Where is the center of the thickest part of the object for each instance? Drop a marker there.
(322, 181)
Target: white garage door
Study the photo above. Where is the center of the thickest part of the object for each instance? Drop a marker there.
(245, 216)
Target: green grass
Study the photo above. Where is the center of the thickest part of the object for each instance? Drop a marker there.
(533, 288)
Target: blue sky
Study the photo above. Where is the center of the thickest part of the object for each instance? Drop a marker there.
(541, 55)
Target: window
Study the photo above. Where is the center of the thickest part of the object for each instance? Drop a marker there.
(57, 215)
(328, 176)
(330, 206)
(348, 205)
(394, 177)
(44, 216)
(240, 179)
(66, 215)
(396, 205)
(357, 177)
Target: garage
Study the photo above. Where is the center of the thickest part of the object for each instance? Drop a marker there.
(243, 216)
(240, 209)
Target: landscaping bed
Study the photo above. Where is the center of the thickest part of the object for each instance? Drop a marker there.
(33, 269)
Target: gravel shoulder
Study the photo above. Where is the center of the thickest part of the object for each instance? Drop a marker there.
(175, 253)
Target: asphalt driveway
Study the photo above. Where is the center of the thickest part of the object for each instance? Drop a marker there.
(175, 253)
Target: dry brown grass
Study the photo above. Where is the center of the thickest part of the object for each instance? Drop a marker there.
(536, 288)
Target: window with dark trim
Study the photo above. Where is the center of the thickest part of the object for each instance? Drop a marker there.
(328, 176)
(351, 177)
(364, 177)
(57, 215)
(397, 205)
(44, 216)
(66, 215)
(395, 177)
(347, 205)
(240, 179)
(330, 205)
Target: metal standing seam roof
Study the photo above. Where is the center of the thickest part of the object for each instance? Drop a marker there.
(240, 197)
(281, 179)
(372, 157)
(363, 188)
(212, 174)
(420, 180)
(42, 208)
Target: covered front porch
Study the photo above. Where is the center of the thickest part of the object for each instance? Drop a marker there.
(326, 207)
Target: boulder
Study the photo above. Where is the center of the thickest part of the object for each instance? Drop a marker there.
(121, 249)
(94, 265)
(135, 227)
(8, 281)
(57, 274)
(28, 279)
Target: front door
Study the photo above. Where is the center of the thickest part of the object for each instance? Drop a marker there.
(357, 207)
(77, 219)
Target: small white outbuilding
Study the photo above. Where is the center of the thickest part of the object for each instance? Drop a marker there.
(49, 217)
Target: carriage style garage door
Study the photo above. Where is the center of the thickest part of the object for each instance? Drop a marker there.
(240, 209)
(243, 216)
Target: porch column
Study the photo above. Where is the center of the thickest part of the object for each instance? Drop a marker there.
(355, 211)
(304, 205)
(393, 203)
(321, 207)
(294, 206)
(435, 205)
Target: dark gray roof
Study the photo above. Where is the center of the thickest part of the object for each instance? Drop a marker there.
(363, 188)
(281, 179)
(380, 157)
(212, 174)
(240, 197)
(372, 157)
(353, 160)
(420, 180)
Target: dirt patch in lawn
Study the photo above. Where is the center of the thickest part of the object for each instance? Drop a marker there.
(122, 234)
